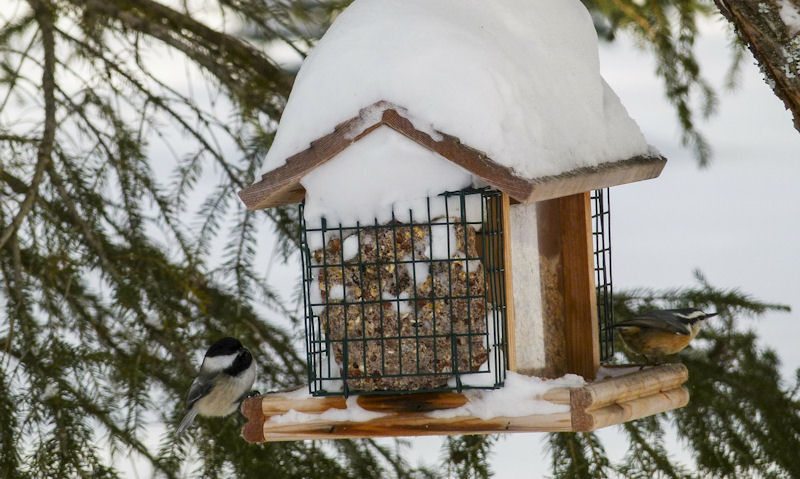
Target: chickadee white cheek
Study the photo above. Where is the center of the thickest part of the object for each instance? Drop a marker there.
(217, 363)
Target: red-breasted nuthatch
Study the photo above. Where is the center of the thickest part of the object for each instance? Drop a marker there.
(662, 332)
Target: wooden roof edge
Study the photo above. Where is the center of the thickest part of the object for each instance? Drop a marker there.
(471, 159)
(281, 186)
(583, 179)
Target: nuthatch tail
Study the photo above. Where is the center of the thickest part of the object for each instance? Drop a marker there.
(662, 332)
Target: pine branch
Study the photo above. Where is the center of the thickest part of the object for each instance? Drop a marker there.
(16, 264)
(81, 267)
(162, 105)
(466, 457)
(773, 43)
(249, 75)
(741, 421)
(17, 72)
(668, 29)
(44, 18)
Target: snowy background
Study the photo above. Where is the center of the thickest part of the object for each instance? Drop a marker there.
(738, 221)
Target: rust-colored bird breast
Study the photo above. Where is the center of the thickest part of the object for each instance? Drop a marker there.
(653, 342)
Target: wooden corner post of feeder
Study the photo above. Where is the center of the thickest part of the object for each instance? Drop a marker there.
(397, 333)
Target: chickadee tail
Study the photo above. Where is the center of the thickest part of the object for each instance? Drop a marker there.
(187, 420)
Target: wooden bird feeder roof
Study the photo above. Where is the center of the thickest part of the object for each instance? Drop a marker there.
(596, 405)
(281, 186)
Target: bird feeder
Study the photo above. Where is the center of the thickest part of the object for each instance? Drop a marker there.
(420, 298)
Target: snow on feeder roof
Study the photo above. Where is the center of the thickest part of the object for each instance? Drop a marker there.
(415, 101)
(516, 83)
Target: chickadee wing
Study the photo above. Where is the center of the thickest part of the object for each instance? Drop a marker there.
(669, 325)
(187, 419)
(201, 386)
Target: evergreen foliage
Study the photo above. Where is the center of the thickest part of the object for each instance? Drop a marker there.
(467, 457)
(669, 29)
(577, 455)
(109, 295)
(742, 419)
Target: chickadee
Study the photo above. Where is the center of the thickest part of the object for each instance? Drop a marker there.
(662, 332)
(225, 378)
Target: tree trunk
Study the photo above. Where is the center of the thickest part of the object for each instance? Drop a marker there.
(771, 29)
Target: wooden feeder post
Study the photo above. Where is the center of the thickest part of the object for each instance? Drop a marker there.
(569, 295)
(511, 348)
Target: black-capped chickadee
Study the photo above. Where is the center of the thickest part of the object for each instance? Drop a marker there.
(663, 332)
(225, 378)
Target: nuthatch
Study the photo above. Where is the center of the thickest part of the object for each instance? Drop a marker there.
(662, 332)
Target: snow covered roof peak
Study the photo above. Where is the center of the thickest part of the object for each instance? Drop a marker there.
(516, 80)
(283, 184)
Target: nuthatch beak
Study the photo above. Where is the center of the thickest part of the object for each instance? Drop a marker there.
(660, 333)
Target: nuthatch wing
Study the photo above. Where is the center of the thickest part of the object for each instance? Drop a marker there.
(662, 332)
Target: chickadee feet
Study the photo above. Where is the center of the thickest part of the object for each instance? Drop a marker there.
(252, 393)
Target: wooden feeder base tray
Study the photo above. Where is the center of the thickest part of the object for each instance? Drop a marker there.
(613, 400)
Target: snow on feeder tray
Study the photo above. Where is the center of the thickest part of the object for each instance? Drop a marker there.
(450, 267)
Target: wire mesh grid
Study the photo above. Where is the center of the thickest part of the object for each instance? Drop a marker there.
(412, 305)
(601, 236)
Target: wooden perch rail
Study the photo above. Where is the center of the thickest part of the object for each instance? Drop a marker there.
(599, 404)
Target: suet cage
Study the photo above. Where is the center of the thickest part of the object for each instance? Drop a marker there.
(413, 305)
(601, 242)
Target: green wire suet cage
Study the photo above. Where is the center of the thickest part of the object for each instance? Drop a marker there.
(412, 305)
